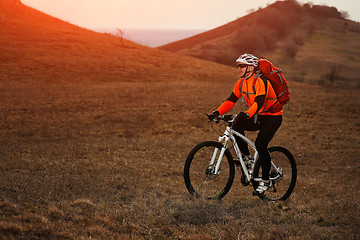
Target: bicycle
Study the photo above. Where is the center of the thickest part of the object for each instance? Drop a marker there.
(206, 175)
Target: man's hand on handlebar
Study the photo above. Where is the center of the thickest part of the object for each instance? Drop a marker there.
(213, 115)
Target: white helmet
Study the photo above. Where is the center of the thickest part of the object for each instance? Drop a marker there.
(248, 59)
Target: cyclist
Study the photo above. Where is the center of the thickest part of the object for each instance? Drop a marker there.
(259, 116)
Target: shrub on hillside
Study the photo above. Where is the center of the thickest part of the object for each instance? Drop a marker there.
(325, 11)
(345, 14)
(298, 39)
(291, 48)
(332, 74)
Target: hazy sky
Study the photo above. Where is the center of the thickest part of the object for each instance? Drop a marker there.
(164, 14)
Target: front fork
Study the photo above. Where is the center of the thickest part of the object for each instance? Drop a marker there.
(216, 171)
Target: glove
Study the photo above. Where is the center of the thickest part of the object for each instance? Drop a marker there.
(241, 117)
(212, 116)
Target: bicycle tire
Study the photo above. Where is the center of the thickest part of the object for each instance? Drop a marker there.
(198, 179)
(281, 188)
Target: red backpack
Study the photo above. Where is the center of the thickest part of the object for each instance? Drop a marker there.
(278, 82)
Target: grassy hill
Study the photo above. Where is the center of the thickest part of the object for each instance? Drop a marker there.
(94, 132)
(80, 52)
(313, 44)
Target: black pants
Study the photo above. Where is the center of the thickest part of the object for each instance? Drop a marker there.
(267, 127)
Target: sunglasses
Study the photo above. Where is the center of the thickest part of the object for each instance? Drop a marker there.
(242, 65)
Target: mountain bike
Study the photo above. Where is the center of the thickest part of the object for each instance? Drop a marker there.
(209, 169)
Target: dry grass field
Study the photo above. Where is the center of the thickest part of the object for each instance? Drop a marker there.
(97, 161)
(91, 150)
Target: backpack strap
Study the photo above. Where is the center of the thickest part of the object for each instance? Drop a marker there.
(244, 93)
(279, 75)
(241, 92)
(265, 79)
(257, 75)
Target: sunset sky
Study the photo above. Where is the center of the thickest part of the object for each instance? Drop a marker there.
(163, 14)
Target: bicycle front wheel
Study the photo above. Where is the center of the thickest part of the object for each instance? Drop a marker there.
(283, 174)
(199, 173)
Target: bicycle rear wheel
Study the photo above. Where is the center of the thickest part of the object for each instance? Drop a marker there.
(283, 174)
(199, 176)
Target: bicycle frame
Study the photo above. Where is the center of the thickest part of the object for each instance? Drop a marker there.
(229, 134)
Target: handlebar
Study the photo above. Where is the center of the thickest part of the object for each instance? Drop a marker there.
(229, 118)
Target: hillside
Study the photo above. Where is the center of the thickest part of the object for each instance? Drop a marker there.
(35, 37)
(94, 133)
(313, 44)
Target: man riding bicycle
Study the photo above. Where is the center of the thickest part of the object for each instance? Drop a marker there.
(258, 95)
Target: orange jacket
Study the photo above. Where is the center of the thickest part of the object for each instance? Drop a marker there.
(258, 97)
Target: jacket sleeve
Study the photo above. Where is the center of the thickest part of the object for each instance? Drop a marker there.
(231, 100)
